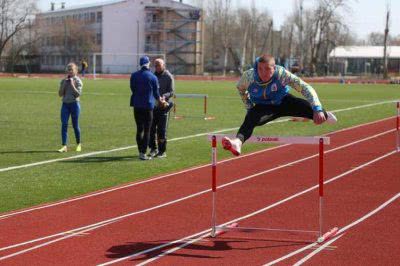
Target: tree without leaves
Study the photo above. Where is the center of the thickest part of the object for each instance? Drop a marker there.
(14, 15)
(316, 40)
(323, 30)
(319, 23)
(68, 37)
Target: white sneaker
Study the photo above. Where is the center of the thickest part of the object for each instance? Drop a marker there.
(331, 118)
(63, 149)
(144, 157)
(232, 145)
(79, 148)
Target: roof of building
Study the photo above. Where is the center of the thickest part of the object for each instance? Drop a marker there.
(93, 5)
(160, 3)
(364, 52)
(171, 4)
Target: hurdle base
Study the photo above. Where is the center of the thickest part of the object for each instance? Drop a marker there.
(179, 117)
(331, 233)
(220, 230)
(254, 229)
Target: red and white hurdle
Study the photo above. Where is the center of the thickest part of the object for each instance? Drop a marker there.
(198, 96)
(398, 126)
(318, 140)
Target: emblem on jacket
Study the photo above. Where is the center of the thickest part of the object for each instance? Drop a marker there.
(274, 87)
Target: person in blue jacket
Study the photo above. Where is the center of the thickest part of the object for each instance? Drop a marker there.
(264, 90)
(145, 92)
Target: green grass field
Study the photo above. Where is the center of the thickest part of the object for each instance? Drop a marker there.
(30, 132)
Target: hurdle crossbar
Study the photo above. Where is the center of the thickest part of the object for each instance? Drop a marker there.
(316, 140)
(277, 139)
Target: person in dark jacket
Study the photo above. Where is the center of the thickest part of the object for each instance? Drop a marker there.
(145, 93)
(161, 111)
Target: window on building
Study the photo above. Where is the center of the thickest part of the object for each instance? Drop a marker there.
(98, 38)
(99, 16)
(92, 17)
(99, 60)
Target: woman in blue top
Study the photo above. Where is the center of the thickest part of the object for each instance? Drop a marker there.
(70, 90)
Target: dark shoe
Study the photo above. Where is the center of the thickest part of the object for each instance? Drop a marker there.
(153, 153)
(161, 155)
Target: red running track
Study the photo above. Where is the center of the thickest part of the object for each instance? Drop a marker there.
(141, 218)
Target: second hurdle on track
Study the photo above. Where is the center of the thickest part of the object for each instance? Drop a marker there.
(204, 97)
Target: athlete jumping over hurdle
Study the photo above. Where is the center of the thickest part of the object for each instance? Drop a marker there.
(264, 90)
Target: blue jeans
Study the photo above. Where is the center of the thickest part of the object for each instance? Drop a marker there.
(73, 110)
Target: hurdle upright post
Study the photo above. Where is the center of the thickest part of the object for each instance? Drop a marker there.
(205, 107)
(398, 126)
(321, 183)
(214, 184)
(174, 106)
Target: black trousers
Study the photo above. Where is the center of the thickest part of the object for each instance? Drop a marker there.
(143, 119)
(158, 132)
(261, 114)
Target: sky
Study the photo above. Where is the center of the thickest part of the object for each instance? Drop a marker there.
(364, 16)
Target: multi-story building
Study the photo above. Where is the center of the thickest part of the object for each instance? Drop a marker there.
(112, 35)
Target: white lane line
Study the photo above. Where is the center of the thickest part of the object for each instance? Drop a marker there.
(196, 194)
(53, 241)
(161, 177)
(133, 184)
(56, 93)
(317, 250)
(347, 227)
(172, 250)
(362, 106)
(300, 250)
(203, 233)
(174, 139)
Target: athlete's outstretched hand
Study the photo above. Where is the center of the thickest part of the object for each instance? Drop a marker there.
(319, 118)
